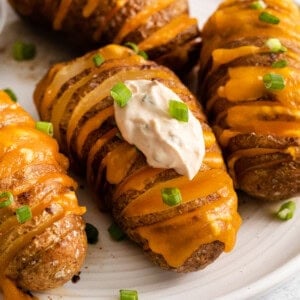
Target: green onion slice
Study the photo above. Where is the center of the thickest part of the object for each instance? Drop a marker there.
(136, 49)
(6, 199)
(98, 60)
(280, 64)
(268, 18)
(11, 94)
(91, 233)
(133, 46)
(121, 94)
(143, 54)
(259, 5)
(178, 110)
(45, 127)
(116, 232)
(171, 196)
(274, 81)
(275, 45)
(286, 211)
(23, 51)
(23, 213)
(128, 295)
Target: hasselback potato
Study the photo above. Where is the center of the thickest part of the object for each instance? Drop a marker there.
(76, 97)
(162, 28)
(250, 83)
(42, 237)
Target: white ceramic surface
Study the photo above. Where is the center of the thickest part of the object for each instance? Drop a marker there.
(267, 250)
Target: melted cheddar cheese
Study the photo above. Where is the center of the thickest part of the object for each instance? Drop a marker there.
(236, 40)
(23, 147)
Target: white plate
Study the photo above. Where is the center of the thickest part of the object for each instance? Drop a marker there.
(267, 251)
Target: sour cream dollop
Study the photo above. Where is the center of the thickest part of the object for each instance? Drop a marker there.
(166, 142)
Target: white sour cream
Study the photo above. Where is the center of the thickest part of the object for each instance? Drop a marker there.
(166, 142)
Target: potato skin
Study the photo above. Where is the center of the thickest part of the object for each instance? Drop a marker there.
(52, 258)
(46, 250)
(106, 20)
(262, 159)
(81, 109)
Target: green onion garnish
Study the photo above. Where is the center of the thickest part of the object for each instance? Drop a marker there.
(268, 18)
(279, 63)
(275, 45)
(11, 94)
(23, 213)
(171, 196)
(286, 210)
(128, 295)
(121, 94)
(136, 49)
(45, 127)
(133, 46)
(143, 54)
(91, 233)
(116, 232)
(98, 60)
(23, 51)
(274, 81)
(259, 5)
(6, 199)
(178, 110)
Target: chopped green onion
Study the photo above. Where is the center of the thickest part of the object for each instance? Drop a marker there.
(286, 210)
(11, 94)
(274, 81)
(143, 54)
(268, 18)
(23, 51)
(178, 110)
(275, 45)
(116, 232)
(23, 213)
(259, 5)
(121, 94)
(128, 295)
(171, 196)
(98, 60)
(91, 233)
(136, 49)
(279, 63)
(133, 46)
(6, 199)
(45, 127)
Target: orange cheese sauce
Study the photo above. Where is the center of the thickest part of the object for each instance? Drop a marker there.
(140, 18)
(61, 13)
(90, 7)
(178, 237)
(21, 145)
(250, 109)
(167, 32)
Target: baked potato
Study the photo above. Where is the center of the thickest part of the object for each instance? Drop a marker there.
(42, 237)
(161, 28)
(76, 97)
(249, 85)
